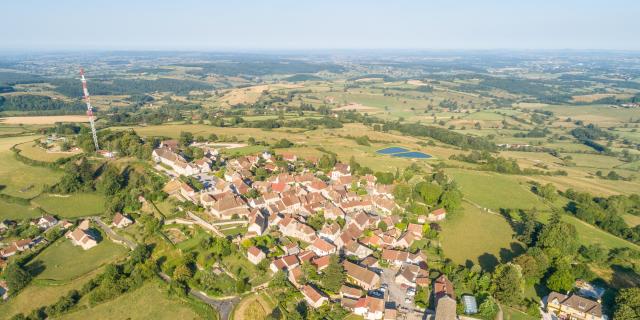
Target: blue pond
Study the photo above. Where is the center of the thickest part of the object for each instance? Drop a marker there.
(412, 154)
(392, 150)
(403, 153)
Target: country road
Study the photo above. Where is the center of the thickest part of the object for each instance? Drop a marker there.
(224, 306)
(113, 235)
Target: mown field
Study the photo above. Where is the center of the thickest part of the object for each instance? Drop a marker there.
(18, 179)
(73, 205)
(479, 237)
(62, 261)
(32, 151)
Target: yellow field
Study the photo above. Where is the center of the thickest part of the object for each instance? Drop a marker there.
(43, 119)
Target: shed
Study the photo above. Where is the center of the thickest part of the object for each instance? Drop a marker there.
(470, 304)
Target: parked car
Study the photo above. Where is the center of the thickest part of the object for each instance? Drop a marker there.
(411, 292)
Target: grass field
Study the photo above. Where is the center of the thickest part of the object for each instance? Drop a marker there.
(147, 302)
(495, 191)
(63, 261)
(37, 295)
(72, 206)
(19, 179)
(10, 210)
(480, 237)
(29, 150)
(254, 306)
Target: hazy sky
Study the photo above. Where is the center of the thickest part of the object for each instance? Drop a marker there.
(327, 24)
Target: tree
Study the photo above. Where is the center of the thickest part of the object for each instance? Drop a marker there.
(561, 280)
(110, 181)
(488, 308)
(451, 198)
(558, 237)
(186, 138)
(17, 277)
(508, 286)
(430, 192)
(627, 304)
(333, 276)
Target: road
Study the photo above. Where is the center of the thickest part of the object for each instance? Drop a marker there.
(114, 236)
(224, 306)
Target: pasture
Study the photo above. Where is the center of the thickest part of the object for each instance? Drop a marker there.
(254, 306)
(72, 205)
(479, 237)
(147, 302)
(62, 261)
(9, 210)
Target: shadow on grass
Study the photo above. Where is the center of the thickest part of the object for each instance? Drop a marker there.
(35, 268)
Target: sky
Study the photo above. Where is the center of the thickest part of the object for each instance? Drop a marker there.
(328, 24)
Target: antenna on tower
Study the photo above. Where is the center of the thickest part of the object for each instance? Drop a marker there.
(89, 109)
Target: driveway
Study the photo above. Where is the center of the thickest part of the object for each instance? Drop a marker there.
(113, 235)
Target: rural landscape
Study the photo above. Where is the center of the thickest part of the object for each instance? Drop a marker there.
(231, 186)
(334, 160)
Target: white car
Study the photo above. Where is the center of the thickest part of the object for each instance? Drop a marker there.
(411, 292)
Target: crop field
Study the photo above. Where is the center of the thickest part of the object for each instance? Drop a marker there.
(480, 237)
(43, 119)
(147, 302)
(73, 205)
(19, 179)
(62, 261)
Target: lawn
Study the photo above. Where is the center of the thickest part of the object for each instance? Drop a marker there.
(72, 206)
(37, 295)
(495, 191)
(63, 261)
(147, 302)
(477, 236)
(18, 179)
(236, 262)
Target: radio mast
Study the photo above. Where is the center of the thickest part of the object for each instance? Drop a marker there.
(89, 109)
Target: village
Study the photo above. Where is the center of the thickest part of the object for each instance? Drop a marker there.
(316, 220)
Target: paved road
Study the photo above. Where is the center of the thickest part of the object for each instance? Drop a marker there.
(114, 236)
(224, 306)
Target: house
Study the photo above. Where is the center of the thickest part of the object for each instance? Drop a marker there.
(350, 292)
(284, 263)
(340, 170)
(121, 221)
(395, 257)
(321, 263)
(390, 314)
(255, 255)
(354, 248)
(81, 237)
(573, 307)
(410, 275)
(443, 287)
(437, 215)
(65, 224)
(370, 308)
(361, 276)
(229, 205)
(330, 232)
(294, 275)
(313, 297)
(23, 244)
(257, 224)
(322, 248)
(46, 221)
(405, 241)
(171, 145)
